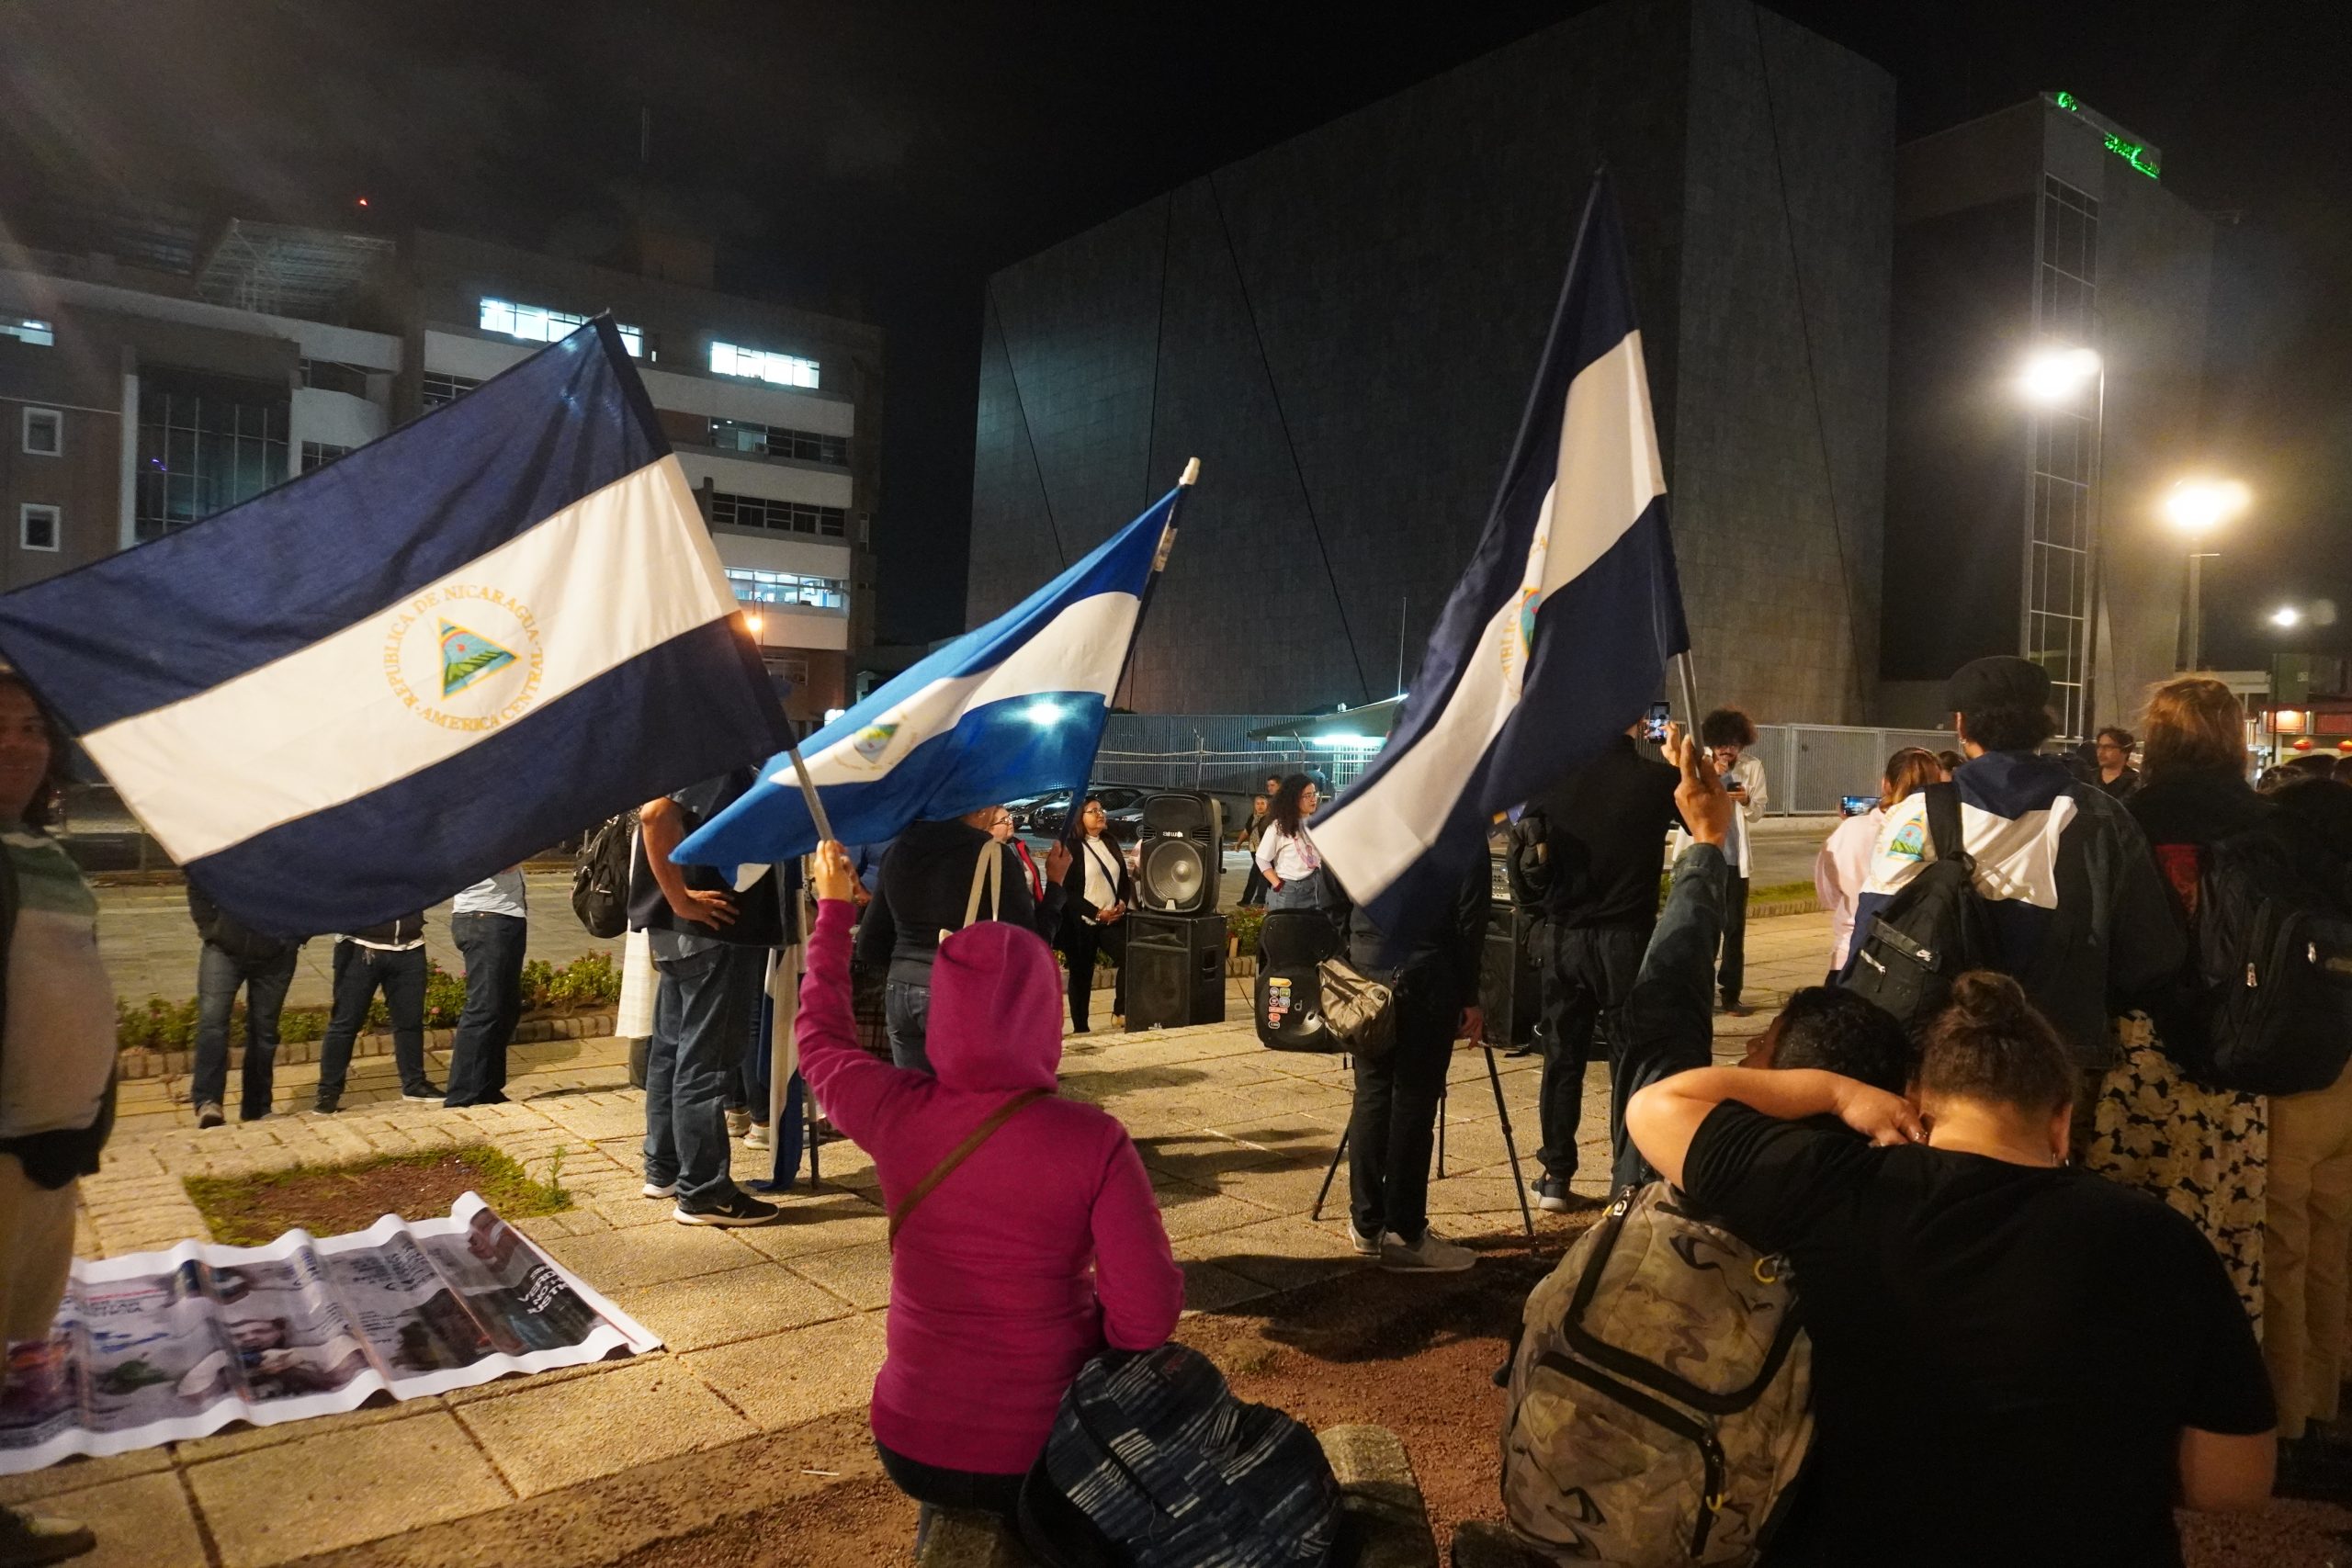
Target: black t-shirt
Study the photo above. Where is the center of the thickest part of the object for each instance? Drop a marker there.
(2003, 1355)
(1605, 827)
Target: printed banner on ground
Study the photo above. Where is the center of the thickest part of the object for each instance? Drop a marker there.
(160, 1346)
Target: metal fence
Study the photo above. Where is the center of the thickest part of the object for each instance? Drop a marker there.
(1807, 767)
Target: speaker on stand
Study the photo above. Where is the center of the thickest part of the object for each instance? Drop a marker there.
(1179, 855)
(1510, 989)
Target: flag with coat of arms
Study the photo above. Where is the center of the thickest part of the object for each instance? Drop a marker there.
(444, 652)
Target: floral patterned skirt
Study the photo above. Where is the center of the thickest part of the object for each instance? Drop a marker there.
(2205, 1152)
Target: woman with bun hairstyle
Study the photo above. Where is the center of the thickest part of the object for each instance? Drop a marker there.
(2014, 1361)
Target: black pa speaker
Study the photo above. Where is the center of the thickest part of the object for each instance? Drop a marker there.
(1175, 970)
(1510, 990)
(1179, 859)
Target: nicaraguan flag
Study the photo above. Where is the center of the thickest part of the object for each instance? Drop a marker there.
(359, 692)
(1014, 708)
(1560, 630)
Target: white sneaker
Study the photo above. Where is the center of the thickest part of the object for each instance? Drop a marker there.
(1431, 1255)
(659, 1189)
(738, 1123)
(1365, 1245)
(755, 1137)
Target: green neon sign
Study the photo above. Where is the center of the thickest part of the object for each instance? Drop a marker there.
(2132, 153)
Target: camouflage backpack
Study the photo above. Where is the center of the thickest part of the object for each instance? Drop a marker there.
(1661, 1395)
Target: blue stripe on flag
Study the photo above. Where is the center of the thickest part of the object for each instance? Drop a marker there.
(985, 747)
(301, 562)
(413, 842)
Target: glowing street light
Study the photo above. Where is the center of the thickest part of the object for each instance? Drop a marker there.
(752, 622)
(2286, 617)
(2053, 376)
(2198, 506)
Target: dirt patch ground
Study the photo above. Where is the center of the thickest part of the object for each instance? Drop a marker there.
(248, 1211)
(1413, 1354)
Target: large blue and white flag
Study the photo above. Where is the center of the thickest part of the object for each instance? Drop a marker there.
(1561, 625)
(362, 690)
(1014, 708)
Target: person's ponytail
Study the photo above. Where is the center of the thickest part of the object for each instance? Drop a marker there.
(1990, 1043)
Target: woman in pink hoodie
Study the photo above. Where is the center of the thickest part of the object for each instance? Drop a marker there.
(1042, 1248)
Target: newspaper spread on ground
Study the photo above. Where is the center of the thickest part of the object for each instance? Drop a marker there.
(158, 1347)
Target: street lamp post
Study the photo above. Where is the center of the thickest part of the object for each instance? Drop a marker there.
(2197, 507)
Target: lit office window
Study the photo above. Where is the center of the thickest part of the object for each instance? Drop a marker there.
(438, 389)
(783, 369)
(205, 443)
(779, 516)
(537, 323)
(791, 588)
(775, 441)
(24, 328)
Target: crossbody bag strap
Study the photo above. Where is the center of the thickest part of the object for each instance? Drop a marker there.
(989, 876)
(958, 1155)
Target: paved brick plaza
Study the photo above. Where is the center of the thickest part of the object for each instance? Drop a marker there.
(772, 1334)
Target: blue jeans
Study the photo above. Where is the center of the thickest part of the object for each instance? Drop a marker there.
(218, 975)
(357, 972)
(907, 1007)
(1298, 892)
(494, 948)
(700, 1019)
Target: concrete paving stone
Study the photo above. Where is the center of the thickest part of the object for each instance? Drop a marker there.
(626, 1209)
(825, 1221)
(785, 1379)
(1211, 1287)
(81, 1474)
(743, 1303)
(1185, 1214)
(653, 1408)
(499, 1388)
(279, 1504)
(242, 1438)
(1282, 1254)
(618, 1260)
(143, 1522)
(591, 1122)
(861, 1274)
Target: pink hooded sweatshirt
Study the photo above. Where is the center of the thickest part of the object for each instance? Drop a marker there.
(1042, 1248)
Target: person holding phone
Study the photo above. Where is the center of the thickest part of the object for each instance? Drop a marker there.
(1727, 733)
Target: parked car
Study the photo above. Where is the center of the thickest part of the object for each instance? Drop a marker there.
(1122, 803)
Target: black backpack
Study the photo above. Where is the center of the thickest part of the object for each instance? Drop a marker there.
(2271, 958)
(1933, 931)
(600, 876)
(1292, 946)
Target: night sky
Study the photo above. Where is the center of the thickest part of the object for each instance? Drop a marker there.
(880, 159)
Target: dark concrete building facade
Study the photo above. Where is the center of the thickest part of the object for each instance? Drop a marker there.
(1343, 328)
(2019, 529)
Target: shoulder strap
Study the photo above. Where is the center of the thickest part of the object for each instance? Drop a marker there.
(989, 876)
(958, 1155)
(1944, 829)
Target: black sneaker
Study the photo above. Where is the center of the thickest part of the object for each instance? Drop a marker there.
(209, 1115)
(425, 1091)
(738, 1208)
(328, 1104)
(28, 1540)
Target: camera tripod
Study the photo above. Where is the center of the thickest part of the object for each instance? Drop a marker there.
(1510, 1146)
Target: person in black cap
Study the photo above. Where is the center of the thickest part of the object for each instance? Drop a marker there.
(2076, 901)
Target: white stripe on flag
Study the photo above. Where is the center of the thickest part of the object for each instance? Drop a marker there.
(1608, 462)
(1080, 649)
(612, 576)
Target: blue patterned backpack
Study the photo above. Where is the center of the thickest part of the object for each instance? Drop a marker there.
(1153, 1455)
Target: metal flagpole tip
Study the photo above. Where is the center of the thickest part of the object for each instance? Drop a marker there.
(1192, 470)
